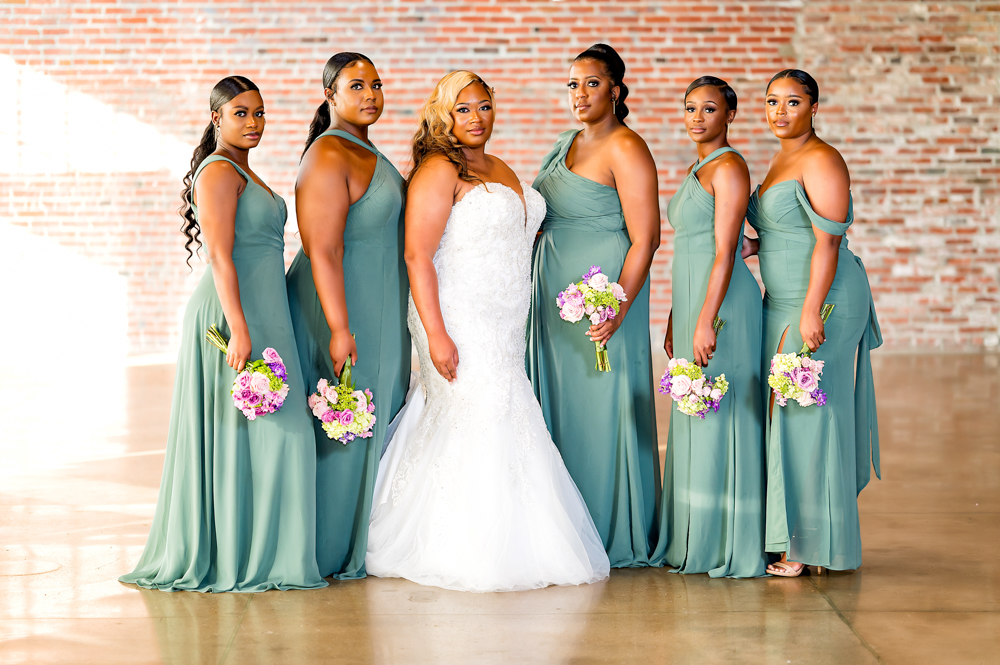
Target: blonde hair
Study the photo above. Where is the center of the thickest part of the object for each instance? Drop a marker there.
(434, 134)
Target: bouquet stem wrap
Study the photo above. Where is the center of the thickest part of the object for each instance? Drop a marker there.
(824, 313)
(595, 298)
(345, 412)
(261, 387)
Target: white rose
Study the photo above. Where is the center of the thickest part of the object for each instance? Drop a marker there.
(680, 385)
(716, 394)
(598, 282)
(572, 312)
(618, 292)
(260, 383)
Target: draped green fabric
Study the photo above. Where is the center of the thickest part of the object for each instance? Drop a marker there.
(712, 511)
(376, 287)
(819, 457)
(603, 422)
(237, 504)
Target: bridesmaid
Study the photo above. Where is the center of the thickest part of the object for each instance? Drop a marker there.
(712, 514)
(237, 501)
(349, 278)
(818, 457)
(603, 423)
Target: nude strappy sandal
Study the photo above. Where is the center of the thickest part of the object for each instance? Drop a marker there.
(785, 569)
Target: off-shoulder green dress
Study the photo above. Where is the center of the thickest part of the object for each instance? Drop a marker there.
(712, 513)
(237, 505)
(376, 287)
(602, 422)
(819, 458)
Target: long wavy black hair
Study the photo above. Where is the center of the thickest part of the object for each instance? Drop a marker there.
(321, 121)
(614, 67)
(223, 93)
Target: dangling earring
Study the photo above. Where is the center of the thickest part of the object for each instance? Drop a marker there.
(812, 123)
(728, 125)
(614, 102)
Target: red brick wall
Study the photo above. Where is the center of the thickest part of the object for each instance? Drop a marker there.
(909, 95)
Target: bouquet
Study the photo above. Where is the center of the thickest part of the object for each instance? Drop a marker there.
(694, 392)
(346, 413)
(260, 388)
(597, 298)
(796, 375)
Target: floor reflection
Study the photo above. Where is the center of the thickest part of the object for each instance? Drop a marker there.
(78, 489)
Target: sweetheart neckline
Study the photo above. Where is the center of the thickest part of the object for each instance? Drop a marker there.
(777, 184)
(523, 198)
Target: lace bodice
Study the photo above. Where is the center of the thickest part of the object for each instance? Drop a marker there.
(484, 282)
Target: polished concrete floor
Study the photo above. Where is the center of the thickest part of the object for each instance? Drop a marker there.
(78, 486)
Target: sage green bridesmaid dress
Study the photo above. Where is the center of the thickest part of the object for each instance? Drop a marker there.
(237, 505)
(602, 422)
(819, 458)
(712, 511)
(376, 287)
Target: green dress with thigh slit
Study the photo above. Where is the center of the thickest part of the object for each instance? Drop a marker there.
(602, 422)
(819, 458)
(376, 287)
(237, 504)
(712, 512)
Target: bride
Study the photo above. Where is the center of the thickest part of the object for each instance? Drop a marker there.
(471, 492)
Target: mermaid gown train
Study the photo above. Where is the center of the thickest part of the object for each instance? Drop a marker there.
(471, 492)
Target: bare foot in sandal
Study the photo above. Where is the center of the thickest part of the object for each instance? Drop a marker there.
(786, 568)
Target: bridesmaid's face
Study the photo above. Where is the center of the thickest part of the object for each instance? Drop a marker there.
(590, 90)
(473, 116)
(789, 111)
(706, 115)
(358, 94)
(241, 120)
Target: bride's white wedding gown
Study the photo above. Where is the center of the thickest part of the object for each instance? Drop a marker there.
(471, 492)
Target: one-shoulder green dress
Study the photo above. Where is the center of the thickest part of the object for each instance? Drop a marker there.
(819, 458)
(603, 422)
(376, 287)
(237, 505)
(712, 511)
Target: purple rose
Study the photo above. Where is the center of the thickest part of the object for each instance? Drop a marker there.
(244, 380)
(329, 416)
(346, 417)
(805, 380)
(279, 370)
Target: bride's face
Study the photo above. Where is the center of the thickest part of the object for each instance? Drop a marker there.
(473, 116)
